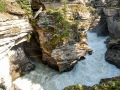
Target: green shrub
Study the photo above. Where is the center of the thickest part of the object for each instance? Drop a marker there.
(2, 6)
(25, 4)
(113, 84)
(61, 23)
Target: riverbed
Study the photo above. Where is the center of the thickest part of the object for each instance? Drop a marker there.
(86, 72)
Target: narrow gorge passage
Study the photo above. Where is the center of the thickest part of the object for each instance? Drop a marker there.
(86, 72)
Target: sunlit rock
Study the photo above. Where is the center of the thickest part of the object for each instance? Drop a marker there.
(14, 29)
(63, 41)
(13, 7)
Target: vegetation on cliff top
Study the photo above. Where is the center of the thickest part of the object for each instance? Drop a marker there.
(2, 6)
(25, 5)
(65, 27)
(61, 23)
(112, 84)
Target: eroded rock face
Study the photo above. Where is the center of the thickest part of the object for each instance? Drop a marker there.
(19, 63)
(12, 7)
(32, 50)
(14, 87)
(59, 51)
(112, 12)
(14, 29)
(109, 24)
(113, 52)
(113, 26)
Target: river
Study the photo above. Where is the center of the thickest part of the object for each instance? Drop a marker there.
(86, 72)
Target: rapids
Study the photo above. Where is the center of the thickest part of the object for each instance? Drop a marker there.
(4, 72)
(86, 72)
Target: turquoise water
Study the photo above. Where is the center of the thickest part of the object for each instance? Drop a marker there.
(86, 72)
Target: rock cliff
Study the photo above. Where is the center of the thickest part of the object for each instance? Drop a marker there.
(14, 30)
(109, 24)
(112, 11)
(61, 32)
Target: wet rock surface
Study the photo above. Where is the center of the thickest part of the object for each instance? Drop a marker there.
(2, 86)
(113, 52)
(32, 50)
(14, 87)
(19, 63)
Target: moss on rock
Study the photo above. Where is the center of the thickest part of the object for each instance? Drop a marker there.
(25, 5)
(106, 84)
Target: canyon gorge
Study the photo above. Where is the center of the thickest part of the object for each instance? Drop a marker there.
(51, 45)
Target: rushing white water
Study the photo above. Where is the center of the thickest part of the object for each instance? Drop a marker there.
(86, 72)
(4, 71)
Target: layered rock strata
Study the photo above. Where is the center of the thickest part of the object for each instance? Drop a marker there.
(112, 13)
(19, 63)
(14, 29)
(63, 46)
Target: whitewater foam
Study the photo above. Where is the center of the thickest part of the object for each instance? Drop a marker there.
(87, 72)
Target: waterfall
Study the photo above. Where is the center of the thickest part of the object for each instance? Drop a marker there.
(86, 72)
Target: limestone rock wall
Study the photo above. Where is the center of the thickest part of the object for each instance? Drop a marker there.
(14, 27)
(112, 12)
(109, 11)
(109, 24)
(58, 51)
(14, 30)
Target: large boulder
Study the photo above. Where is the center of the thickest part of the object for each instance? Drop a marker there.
(62, 40)
(112, 54)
